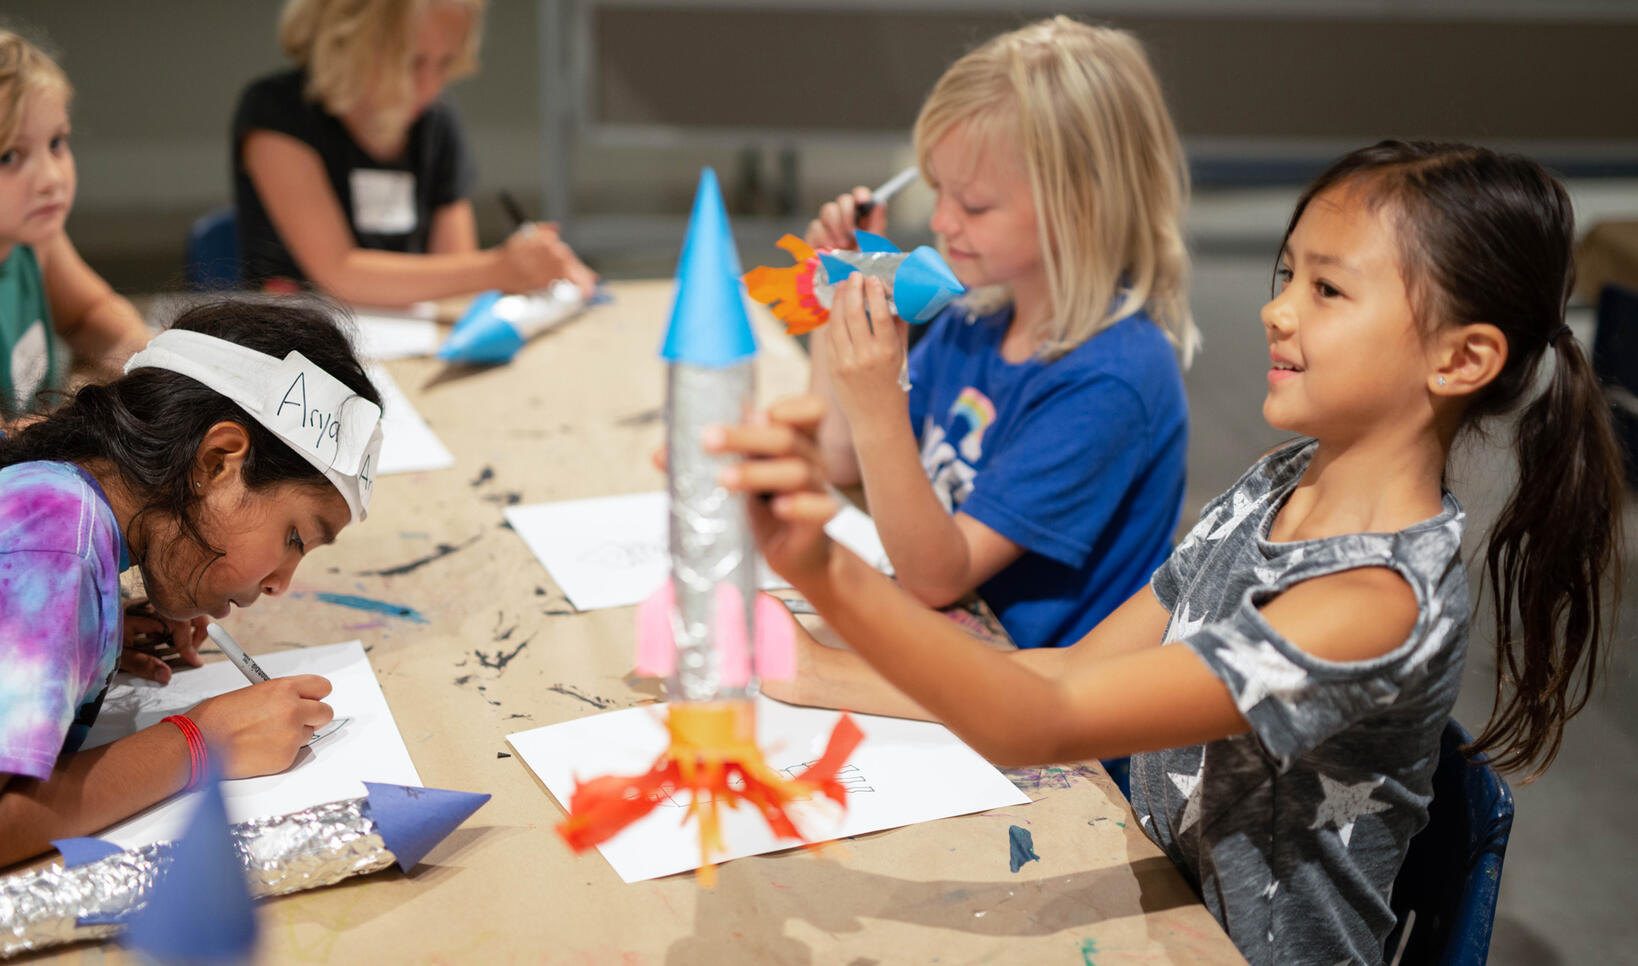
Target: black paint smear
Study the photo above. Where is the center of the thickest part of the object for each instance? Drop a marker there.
(540, 591)
(335, 570)
(500, 660)
(575, 692)
(462, 680)
(518, 714)
(642, 419)
(444, 550)
(507, 635)
(482, 693)
(509, 498)
(484, 476)
(506, 525)
(559, 611)
(502, 754)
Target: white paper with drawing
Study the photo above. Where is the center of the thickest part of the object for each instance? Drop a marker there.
(408, 444)
(369, 748)
(903, 772)
(611, 551)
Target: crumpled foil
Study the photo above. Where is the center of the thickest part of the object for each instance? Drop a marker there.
(710, 532)
(883, 266)
(281, 854)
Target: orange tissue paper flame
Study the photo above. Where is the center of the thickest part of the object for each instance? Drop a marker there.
(713, 750)
(789, 291)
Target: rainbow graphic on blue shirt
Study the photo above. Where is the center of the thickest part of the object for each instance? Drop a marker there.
(979, 412)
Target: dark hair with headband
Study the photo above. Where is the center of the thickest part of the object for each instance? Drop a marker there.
(150, 423)
(1487, 237)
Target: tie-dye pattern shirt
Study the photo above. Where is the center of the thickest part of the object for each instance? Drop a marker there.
(60, 558)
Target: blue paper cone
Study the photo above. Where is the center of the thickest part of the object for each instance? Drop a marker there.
(413, 820)
(709, 326)
(199, 910)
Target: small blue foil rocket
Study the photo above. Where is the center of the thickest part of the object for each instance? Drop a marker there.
(496, 326)
(919, 283)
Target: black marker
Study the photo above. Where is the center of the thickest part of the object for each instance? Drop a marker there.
(513, 210)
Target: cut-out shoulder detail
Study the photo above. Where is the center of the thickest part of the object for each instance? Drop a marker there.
(1351, 615)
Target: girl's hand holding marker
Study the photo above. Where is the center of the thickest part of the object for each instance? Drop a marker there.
(253, 672)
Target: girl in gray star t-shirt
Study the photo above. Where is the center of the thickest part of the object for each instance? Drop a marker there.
(1286, 746)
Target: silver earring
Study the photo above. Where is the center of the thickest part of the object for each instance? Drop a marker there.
(1441, 380)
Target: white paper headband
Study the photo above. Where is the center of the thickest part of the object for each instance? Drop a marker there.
(332, 427)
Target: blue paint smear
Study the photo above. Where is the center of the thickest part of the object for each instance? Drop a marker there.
(374, 606)
(1023, 846)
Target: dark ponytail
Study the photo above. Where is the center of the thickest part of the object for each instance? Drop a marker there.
(1487, 237)
(149, 424)
(1555, 540)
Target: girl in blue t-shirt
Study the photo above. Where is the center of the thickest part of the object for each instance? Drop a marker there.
(1038, 456)
(188, 468)
(1315, 620)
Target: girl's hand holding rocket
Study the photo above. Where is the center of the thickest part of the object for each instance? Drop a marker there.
(865, 349)
(782, 465)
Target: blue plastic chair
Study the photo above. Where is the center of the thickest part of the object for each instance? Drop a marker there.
(1615, 359)
(213, 252)
(1120, 769)
(1453, 869)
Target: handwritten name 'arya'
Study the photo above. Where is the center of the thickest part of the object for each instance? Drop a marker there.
(326, 423)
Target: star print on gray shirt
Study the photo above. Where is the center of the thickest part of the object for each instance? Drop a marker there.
(1293, 833)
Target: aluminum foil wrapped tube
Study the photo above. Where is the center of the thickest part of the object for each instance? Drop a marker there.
(713, 555)
(282, 854)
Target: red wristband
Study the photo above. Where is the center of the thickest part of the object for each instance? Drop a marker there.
(198, 754)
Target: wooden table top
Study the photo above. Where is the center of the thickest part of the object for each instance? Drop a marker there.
(490, 646)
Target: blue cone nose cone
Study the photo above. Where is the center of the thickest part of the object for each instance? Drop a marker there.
(488, 342)
(413, 820)
(479, 338)
(924, 285)
(709, 326)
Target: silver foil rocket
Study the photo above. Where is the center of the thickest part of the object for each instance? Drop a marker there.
(281, 854)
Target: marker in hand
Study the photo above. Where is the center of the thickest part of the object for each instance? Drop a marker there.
(880, 196)
(251, 670)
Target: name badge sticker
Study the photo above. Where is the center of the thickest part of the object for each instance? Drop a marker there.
(383, 201)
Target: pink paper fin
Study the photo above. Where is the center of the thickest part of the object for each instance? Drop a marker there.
(775, 639)
(656, 648)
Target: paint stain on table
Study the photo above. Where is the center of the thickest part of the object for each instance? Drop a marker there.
(374, 606)
(1021, 847)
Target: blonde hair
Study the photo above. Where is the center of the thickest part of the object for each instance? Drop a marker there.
(344, 45)
(1105, 169)
(24, 70)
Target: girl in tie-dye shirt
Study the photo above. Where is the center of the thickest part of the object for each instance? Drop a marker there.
(149, 471)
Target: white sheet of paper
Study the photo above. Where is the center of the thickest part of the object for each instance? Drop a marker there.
(408, 444)
(382, 337)
(611, 551)
(368, 748)
(902, 773)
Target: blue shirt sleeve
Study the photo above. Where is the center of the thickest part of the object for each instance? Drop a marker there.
(1060, 475)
